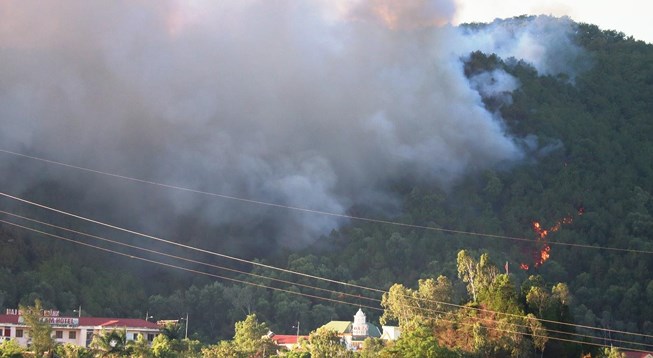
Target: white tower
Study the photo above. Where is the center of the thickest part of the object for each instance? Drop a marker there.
(359, 328)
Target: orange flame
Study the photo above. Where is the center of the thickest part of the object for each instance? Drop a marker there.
(544, 255)
(544, 252)
(537, 227)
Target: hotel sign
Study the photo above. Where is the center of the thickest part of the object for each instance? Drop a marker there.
(44, 313)
(56, 321)
(61, 321)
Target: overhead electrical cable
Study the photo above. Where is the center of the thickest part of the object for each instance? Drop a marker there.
(322, 289)
(182, 245)
(189, 260)
(258, 202)
(551, 337)
(299, 273)
(306, 295)
(319, 212)
(131, 256)
(340, 293)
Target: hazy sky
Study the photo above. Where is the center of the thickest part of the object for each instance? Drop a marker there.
(628, 16)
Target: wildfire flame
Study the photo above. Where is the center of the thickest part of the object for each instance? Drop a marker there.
(543, 253)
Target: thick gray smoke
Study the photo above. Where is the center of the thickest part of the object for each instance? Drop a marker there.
(314, 104)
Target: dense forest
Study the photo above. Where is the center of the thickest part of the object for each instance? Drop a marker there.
(587, 179)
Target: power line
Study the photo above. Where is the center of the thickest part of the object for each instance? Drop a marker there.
(319, 212)
(576, 325)
(327, 290)
(294, 272)
(339, 293)
(257, 202)
(189, 260)
(533, 334)
(185, 268)
(181, 245)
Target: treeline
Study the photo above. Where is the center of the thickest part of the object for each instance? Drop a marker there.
(497, 317)
(589, 144)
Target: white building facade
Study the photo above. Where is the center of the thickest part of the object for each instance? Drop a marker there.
(75, 330)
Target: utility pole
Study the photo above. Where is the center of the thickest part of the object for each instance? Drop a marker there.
(186, 336)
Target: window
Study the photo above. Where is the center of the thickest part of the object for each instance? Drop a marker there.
(72, 335)
(58, 334)
(7, 332)
(150, 337)
(19, 333)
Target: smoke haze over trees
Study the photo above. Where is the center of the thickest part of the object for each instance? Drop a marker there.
(319, 105)
(375, 109)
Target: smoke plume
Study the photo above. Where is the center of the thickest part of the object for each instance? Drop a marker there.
(313, 104)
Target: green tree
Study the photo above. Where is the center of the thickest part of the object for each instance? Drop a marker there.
(429, 300)
(481, 340)
(140, 347)
(172, 330)
(110, 344)
(502, 296)
(538, 300)
(298, 354)
(419, 341)
(224, 349)
(611, 353)
(70, 350)
(251, 339)
(187, 347)
(398, 305)
(372, 347)
(325, 343)
(162, 348)
(538, 333)
(41, 340)
(11, 349)
(477, 274)
(561, 293)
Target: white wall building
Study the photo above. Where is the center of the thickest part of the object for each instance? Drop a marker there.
(75, 330)
(354, 333)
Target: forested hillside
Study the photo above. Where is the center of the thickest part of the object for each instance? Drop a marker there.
(586, 177)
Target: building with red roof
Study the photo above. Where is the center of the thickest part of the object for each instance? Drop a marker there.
(288, 341)
(75, 330)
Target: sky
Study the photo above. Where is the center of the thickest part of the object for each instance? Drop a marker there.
(628, 16)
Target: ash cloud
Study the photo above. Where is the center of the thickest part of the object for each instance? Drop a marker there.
(312, 104)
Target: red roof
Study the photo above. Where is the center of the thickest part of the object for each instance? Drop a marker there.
(6, 318)
(286, 339)
(96, 321)
(117, 322)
